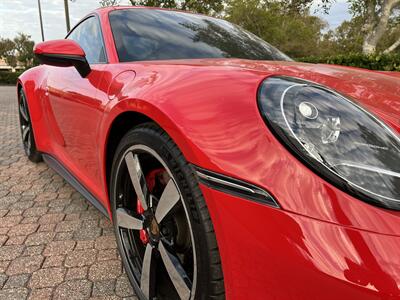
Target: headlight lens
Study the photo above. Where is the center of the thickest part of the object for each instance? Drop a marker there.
(339, 140)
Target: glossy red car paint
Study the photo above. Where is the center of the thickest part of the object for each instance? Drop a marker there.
(321, 244)
(59, 46)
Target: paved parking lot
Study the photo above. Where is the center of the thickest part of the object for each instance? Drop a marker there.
(53, 244)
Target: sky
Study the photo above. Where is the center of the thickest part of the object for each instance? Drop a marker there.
(22, 16)
(338, 13)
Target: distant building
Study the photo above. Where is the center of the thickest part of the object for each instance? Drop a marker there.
(5, 67)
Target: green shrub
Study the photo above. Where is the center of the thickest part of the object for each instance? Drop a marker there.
(9, 77)
(382, 62)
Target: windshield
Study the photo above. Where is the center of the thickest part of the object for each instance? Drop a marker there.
(151, 34)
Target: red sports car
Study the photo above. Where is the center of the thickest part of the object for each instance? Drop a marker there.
(228, 169)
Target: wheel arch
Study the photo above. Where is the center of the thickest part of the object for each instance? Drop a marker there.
(32, 82)
(19, 87)
(128, 114)
(119, 127)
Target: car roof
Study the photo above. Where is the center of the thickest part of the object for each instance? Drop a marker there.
(106, 10)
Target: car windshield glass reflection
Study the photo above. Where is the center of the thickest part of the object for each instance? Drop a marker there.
(148, 34)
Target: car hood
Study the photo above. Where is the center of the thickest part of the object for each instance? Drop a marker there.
(378, 92)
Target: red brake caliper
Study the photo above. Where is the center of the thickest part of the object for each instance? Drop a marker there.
(144, 237)
(151, 182)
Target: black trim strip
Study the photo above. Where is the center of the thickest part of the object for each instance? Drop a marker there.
(235, 187)
(60, 60)
(71, 179)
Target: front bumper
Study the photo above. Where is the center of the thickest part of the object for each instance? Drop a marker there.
(270, 253)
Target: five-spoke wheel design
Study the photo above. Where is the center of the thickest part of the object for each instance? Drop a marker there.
(153, 226)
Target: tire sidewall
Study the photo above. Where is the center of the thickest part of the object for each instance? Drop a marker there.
(179, 171)
(31, 152)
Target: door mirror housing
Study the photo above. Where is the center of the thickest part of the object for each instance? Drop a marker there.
(63, 53)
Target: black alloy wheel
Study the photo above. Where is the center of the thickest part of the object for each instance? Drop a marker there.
(168, 250)
(28, 139)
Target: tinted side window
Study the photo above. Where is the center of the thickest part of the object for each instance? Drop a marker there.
(88, 35)
(150, 34)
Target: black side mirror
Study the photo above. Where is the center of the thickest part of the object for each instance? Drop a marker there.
(63, 53)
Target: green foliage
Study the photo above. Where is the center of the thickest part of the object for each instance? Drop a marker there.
(289, 26)
(382, 62)
(109, 2)
(362, 7)
(348, 37)
(204, 7)
(7, 52)
(302, 6)
(378, 24)
(24, 47)
(9, 77)
(291, 29)
(20, 49)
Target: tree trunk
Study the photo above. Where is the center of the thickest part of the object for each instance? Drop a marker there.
(376, 24)
(393, 47)
(369, 47)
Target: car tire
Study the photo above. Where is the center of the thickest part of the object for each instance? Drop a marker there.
(27, 135)
(149, 149)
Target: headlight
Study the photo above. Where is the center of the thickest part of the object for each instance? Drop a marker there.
(342, 142)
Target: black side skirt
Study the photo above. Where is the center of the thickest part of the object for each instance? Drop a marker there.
(63, 172)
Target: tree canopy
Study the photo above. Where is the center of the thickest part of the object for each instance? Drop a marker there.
(379, 18)
(292, 29)
(204, 6)
(374, 27)
(19, 49)
(7, 52)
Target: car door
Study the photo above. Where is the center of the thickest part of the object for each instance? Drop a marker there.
(76, 109)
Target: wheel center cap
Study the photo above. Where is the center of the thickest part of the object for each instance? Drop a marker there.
(154, 229)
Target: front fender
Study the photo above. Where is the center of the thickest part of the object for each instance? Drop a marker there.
(173, 127)
(215, 121)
